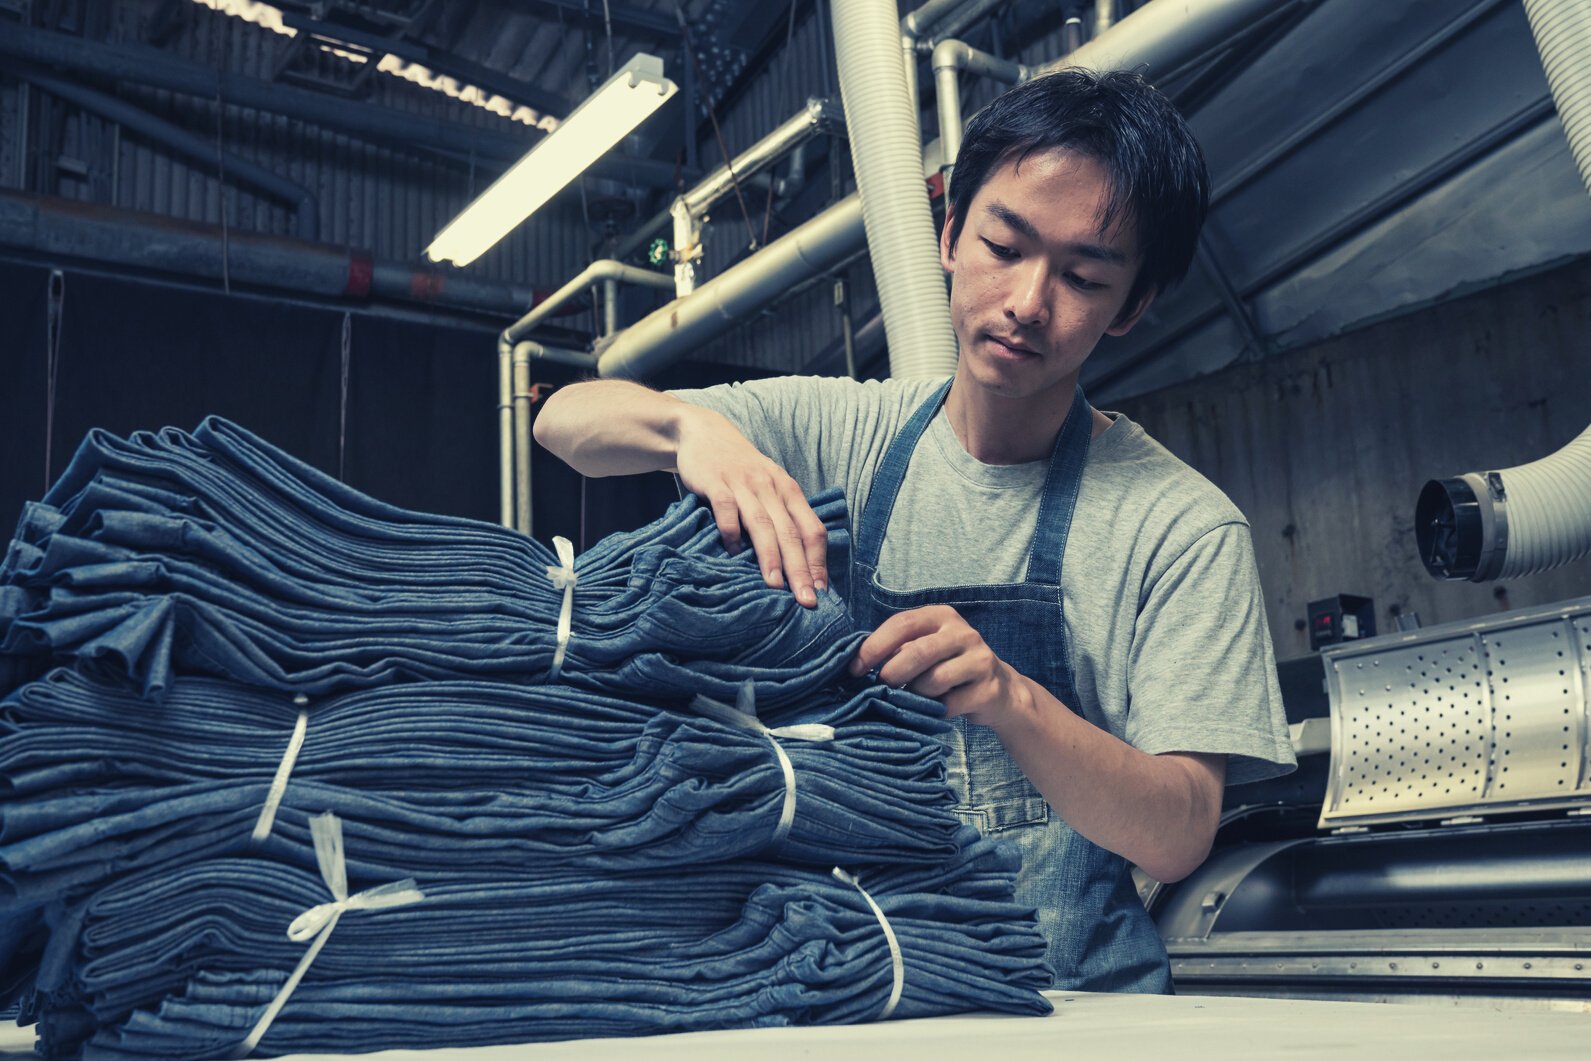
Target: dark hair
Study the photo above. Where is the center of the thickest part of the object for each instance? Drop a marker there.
(1157, 171)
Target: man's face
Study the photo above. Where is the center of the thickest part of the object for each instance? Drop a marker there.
(1035, 283)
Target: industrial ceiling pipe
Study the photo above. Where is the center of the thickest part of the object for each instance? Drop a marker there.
(658, 339)
(1158, 38)
(950, 58)
(914, 27)
(514, 355)
(66, 229)
(1163, 41)
(687, 211)
(886, 146)
(306, 210)
(1533, 517)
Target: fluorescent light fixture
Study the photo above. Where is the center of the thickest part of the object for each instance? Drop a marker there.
(627, 99)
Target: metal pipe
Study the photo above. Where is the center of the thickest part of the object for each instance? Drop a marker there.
(908, 56)
(156, 69)
(193, 146)
(1104, 15)
(521, 361)
(505, 435)
(950, 58)
(664, 335)
(816, 115)
(917, 23)
(605, 269)
(69, 229)
(1071, 35)
(1157, 38)
(558, 355)
(610, 306)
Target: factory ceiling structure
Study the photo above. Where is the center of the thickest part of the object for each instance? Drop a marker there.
(1368, 158)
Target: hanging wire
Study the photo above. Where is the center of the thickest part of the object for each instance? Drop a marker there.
(707, 98)
(342, 414)
(767, 207)
(52, 366)
(220, 169)
(607, 25)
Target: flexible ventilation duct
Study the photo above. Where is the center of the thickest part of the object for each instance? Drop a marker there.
(886, 143)
(1487, 525)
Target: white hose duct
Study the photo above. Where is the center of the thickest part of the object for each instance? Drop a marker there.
(1487, 525)
(1504, 524)
(886, 144)
(1562, 29)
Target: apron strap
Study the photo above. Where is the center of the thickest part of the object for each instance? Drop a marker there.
(1061, 485)
(887, 479)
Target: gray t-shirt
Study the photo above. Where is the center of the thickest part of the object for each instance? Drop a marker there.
(1165, 620)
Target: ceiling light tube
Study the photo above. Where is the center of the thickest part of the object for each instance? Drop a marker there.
(610, 114)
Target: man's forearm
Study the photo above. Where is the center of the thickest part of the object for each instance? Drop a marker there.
(611, 427)
(1158, 811)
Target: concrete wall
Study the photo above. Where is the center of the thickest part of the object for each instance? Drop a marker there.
(1326, 448)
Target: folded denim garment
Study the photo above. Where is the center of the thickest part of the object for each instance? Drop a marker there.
(215, 553)
(181, 962)
(494, 774)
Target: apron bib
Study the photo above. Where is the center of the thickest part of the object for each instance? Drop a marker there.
(1100, 937)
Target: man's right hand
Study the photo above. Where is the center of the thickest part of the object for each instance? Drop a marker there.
(753, 498)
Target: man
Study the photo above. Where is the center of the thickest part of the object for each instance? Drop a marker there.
(1085, 605)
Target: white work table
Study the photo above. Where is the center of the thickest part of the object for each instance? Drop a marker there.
(1085, 1027)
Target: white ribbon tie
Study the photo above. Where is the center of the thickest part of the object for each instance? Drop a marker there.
(744, 716)
(284, 769)
(563, 577)
(897, 963)
(318, 921)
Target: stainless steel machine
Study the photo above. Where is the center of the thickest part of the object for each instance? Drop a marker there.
(1450, 853)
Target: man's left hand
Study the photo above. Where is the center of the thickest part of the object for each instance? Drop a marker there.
(935, 652)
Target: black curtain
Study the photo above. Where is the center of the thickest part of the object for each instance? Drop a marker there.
(418, 427)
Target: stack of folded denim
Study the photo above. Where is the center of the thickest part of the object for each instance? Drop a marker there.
(625, 830)
(181, 962)
(431, 776)
(214, 553)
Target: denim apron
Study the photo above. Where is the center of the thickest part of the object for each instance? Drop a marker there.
(1100, 937)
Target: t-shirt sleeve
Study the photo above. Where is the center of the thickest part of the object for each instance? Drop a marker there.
(784, 417)
(1203, 673)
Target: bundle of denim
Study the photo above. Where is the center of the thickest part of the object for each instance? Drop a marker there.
(429, 777)
(181, 962)
(216, 553)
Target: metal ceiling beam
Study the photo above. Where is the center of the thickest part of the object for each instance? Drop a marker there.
(1364, 92)
(1383, 206)
(1259, 344)
(436, 61)
(150, 67)
(190, 145)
